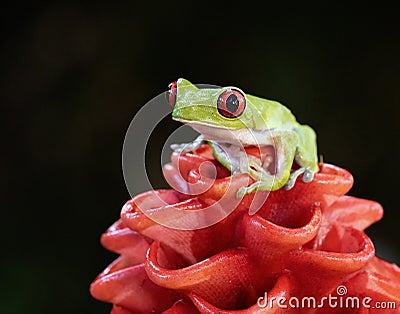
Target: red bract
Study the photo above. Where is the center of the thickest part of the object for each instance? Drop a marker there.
(304, 242)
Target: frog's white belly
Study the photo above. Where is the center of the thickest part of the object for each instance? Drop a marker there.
(245, 137)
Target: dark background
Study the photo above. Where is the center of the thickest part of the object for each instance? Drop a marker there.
(73, 76)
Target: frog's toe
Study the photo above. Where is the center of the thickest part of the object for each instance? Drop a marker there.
(241, 192)
(177, 147)
(290, 183)
(293, 177)
(184, 148)
(308, 176)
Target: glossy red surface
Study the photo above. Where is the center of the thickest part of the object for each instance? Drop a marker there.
(304, 242)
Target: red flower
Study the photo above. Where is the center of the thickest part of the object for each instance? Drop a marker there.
(302, 243)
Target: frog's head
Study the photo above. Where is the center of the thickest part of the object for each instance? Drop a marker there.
(226, 107)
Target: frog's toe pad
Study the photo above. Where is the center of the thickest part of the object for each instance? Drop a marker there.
(241, 192)
(308, 176)
(289, 184)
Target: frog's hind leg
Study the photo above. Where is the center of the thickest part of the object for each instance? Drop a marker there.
(285, 148)
(252, 165)
(306, 154)
(306, 157)
(264, 185)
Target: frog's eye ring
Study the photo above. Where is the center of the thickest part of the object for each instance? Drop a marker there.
(231, 103)
(171, 94)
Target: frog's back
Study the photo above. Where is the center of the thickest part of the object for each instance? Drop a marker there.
(271, 114)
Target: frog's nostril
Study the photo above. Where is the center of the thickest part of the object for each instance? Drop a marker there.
(171, 94)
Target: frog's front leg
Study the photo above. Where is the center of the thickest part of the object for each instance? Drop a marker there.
(187, 147)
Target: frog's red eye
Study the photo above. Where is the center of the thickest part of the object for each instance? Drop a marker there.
(171, 94)
(231, 103)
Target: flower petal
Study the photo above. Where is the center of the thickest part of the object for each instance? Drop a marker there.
(129, 287)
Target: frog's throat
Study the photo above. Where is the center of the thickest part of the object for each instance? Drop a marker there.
(238, 137)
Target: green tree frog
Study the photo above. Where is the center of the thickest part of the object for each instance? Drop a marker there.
(231, 120)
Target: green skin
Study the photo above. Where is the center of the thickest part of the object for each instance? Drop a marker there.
(262, 123)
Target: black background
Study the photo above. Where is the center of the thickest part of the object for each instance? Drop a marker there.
(73, 76)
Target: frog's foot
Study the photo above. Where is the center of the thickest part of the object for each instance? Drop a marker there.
(265, 185)
(308, 176)
(257, 171)
(248, 163)
(187, 147)
(252, 165)
(248, 189)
